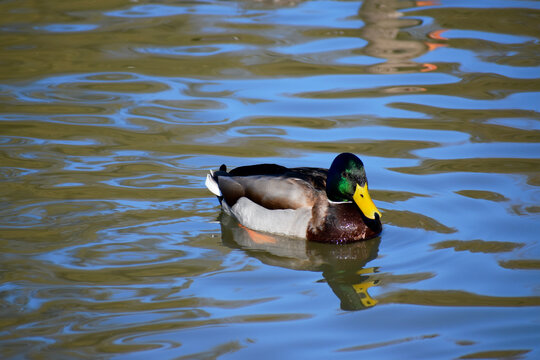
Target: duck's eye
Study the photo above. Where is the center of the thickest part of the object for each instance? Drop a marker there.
(361, 195)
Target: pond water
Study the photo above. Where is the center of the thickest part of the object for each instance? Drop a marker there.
(114, 111)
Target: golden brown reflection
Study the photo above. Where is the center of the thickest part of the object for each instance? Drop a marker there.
(387, 343)
(521, 264)
(456, 298)
(383, 22)
(497, 354)
(479, 246)
(343, 267)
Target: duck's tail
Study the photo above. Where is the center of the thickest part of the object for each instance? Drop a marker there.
(212, 184)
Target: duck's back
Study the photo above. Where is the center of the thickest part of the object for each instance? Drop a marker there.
(314, 176)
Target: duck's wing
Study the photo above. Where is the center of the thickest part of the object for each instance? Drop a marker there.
(272, 186)
(315, 176)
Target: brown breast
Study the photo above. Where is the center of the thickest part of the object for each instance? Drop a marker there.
(341, 223)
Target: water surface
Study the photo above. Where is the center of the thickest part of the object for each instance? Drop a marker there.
(113, 112)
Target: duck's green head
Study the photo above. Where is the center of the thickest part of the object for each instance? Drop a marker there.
(347, 181)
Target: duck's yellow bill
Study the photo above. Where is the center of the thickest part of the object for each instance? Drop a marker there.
(363, 200)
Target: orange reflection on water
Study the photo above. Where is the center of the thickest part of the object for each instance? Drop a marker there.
(257, 237)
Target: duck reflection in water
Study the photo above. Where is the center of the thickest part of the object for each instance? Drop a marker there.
(342, 266)
(384, 29)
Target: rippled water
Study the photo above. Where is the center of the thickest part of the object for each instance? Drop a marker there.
(113, 111)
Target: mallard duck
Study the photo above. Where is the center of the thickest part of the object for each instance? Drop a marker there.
(332, 206)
